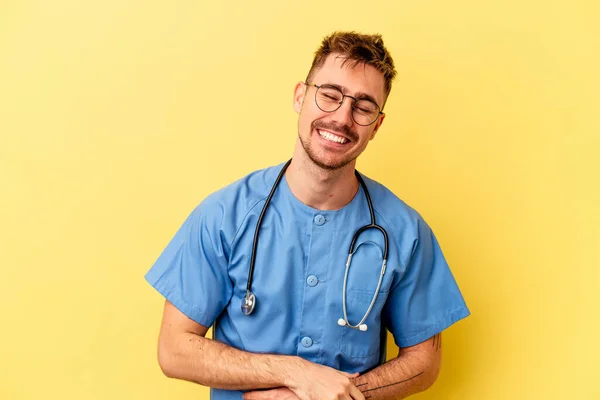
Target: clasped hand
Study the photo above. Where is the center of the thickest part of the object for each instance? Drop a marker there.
(310, 381)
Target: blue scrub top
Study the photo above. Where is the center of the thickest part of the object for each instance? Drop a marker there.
(299, 274)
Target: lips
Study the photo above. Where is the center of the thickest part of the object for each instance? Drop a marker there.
(332, 137)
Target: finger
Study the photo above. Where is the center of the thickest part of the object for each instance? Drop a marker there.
(278, 393)
(290, 396)
(283, 394)
(256, 395)
(356, 394)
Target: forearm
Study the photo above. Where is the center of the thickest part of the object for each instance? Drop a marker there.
(208, 362)
(411, 372)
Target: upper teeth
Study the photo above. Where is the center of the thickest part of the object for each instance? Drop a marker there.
(331, 137)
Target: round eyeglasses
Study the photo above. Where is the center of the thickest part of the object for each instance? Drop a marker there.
(329, 98)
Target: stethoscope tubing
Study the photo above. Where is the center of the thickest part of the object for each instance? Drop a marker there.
(259, 222)
(249, 301)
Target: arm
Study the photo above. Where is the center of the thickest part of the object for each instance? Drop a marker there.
(185, 353)
(414, 370)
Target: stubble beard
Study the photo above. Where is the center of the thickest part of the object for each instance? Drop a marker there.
(312, 155)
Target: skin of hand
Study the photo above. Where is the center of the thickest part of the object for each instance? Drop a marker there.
(271, 394)
(414, 370)
(310, 381)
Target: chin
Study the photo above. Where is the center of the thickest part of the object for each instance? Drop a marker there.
(322, 158)
(329, 164)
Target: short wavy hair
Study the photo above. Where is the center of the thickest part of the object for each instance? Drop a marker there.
(356, 48)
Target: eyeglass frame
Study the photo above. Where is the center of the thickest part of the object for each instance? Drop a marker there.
(342, 102)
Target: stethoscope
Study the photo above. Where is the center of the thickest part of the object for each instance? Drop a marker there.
(249, 300)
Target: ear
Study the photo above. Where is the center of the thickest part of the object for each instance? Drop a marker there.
(299, 92)
(377, 125)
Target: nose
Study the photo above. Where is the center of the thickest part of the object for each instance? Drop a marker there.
(343, 115)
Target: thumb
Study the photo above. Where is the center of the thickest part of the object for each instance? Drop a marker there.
(349, 375)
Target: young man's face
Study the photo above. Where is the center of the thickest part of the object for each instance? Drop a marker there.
(334, 139)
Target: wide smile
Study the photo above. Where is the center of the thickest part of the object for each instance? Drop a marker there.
(332, 137)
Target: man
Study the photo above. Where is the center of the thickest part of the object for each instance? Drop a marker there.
(309, 325)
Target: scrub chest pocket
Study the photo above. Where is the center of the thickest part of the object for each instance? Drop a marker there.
(364, 344)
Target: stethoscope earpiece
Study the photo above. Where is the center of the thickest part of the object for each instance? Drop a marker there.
(361, 327)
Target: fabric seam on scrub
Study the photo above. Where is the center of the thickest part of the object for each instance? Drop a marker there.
(188, 309)
(237, 230)
(404, 264)
(212, 243)
(331, 266)
(304, 272)
(449, 319)
(151, 272)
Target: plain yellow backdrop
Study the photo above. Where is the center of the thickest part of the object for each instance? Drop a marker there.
(118, 117)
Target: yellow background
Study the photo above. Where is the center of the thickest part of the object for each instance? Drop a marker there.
(118, 117)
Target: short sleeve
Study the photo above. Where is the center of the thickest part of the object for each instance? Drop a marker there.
(192, 271)
(426, 300)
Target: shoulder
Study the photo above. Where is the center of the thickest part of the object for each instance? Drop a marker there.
(228, 206)
(405, 226)
(390, 207)
(249, 189)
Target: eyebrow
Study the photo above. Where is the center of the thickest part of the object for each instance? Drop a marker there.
(357, 95)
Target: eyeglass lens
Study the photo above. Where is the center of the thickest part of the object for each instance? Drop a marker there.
(329, 99)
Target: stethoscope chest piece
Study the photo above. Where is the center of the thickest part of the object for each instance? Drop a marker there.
(248, 303)
(249, 300)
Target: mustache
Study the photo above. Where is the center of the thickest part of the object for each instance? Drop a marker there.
(332, 126)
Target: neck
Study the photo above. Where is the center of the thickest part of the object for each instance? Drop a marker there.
(321, 188)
